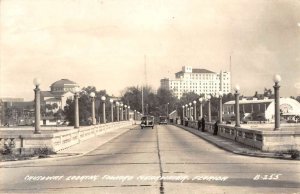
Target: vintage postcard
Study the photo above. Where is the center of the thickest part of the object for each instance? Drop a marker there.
(150, 96)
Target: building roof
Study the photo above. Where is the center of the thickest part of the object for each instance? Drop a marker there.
(202, 71)
(20, 104)
(62, 83)
(12, 99)
(198, 71)
(53, 100)
(245, 101)
(54, 94)
(47, 94)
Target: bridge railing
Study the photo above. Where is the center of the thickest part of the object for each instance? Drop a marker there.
(266, 140)
(57, 140)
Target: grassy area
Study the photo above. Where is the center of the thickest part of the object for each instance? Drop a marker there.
(9, 155)
(13, 157)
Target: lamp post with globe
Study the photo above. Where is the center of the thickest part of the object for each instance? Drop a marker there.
(186, 110)
(128, 110)
(121, 111)
(112, 109)
(103, 98)
(237, 105)
(168, 110)
(201, 107)
(220, 106)
(276, 87)
(134, 115)
(37, 105)
(92, 95)
(190, 110)
(195, 110)
(117, 107)
(76, 109)
(125, 112)
(209, 108)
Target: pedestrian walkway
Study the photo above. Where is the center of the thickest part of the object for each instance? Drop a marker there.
(232, 146)
(92, 143)
(80, 149)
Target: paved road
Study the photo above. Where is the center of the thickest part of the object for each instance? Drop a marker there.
(136, 161)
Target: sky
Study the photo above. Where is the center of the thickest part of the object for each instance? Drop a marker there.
(103, 43)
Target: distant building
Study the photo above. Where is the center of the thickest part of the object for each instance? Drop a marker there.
(199, 81)
(2, 113)
(264, 109)
(16, 111)
(12, 100)
(60, 91)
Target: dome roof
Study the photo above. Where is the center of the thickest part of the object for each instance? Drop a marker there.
(63, 82)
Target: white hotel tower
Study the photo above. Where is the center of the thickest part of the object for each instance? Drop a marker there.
(200, 81)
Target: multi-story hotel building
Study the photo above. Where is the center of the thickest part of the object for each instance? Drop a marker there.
(199, 81)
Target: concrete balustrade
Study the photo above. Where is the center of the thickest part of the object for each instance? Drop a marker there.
(264, 140)
(56, 140)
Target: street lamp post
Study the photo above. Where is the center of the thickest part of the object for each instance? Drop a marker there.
(183, 112)
(117, 107)
(125, 112)
(209, 108)
(195, 110)
(221, 106)
(92, 95)
(190, 110)
(37, 102)
(186, 111)
(134, 115)
(276, 87)
(237, 105)
(121, 111)
(76, 112)
(168, 110)
(200, 107)
(103, 98)
(112, 109)
(128, 110)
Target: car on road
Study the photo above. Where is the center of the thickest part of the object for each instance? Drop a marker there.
(147, 121)
(163, 120)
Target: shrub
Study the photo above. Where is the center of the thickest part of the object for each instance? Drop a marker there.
(294, 153)
(42, 152)
(8, 147)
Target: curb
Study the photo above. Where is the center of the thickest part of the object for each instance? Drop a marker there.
(33, 161)
(233, 151)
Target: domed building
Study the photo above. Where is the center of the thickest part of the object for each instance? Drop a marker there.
(60, 91)
(63, 86)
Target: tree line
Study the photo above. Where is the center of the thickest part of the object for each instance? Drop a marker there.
(156, 103)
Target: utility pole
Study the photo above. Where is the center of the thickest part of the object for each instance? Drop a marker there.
(145, 69)
(142, 100)
(145, 75)
(230, 69)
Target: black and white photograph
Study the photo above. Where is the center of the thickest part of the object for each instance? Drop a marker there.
(150, 96)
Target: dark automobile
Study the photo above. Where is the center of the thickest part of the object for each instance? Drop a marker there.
(163, 120)
(147, 121)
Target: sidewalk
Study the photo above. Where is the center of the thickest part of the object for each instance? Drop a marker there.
(232, 146)
(78, 150)
(91, 144)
